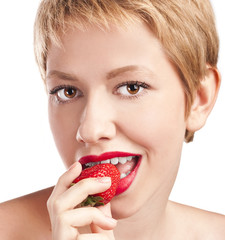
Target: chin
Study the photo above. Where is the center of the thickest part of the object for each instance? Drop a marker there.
(124, 208)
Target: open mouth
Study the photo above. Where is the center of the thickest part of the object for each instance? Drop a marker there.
(125, 165)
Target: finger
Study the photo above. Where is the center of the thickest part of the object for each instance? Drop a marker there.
(85, 216)
(62, 231)
(67, 178)
(64, 182)
(79, 192)
(106, 210)
(95, 236)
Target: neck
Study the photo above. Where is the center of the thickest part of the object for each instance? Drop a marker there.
(148, 223)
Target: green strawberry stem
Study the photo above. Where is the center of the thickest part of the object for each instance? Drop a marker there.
(92, 201)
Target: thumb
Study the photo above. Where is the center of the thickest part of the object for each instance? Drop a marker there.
(106, 209)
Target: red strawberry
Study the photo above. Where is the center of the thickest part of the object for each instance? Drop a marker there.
(97, 171)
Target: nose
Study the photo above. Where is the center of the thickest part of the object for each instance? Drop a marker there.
(96, 121)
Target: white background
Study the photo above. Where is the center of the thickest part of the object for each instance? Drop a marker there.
(29, 160)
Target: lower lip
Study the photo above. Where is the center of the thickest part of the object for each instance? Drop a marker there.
(125, 183)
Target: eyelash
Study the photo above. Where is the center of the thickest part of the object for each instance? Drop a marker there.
(55, 90)
(137, 83)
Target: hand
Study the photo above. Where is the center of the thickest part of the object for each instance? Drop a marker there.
(65, 215)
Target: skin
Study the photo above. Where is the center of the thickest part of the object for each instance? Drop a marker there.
(104, 116)
(92, 124)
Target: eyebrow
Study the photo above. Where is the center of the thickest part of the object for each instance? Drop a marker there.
(131, 68)
(61, 75)
(112, 74)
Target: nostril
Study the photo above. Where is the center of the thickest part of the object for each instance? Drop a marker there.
(95, 132)
(79, 138)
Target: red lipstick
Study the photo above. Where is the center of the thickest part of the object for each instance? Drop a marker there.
(104, 156)
(125, 182)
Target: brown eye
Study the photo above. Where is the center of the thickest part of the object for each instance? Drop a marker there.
(67, 93)
(133, 88)
(70, 92)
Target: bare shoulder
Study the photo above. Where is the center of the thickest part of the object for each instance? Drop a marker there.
(25, 217)
(199, 224)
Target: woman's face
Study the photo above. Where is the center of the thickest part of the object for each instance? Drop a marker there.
(115, 92)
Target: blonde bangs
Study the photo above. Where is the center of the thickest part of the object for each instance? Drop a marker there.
(55, 17)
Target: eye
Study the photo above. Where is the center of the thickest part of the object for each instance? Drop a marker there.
(131, 88)
(65, 93)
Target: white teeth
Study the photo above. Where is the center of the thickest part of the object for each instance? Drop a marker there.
(88, 164)
(91, 164)
(106, 161)
(114, 161)
(122, 160)
(123, 175)
(129, 158)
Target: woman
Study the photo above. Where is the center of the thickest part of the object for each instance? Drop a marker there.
(124, 79)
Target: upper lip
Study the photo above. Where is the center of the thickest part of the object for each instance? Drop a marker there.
(104, 156)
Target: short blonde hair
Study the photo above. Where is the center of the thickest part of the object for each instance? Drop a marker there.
(185, 28)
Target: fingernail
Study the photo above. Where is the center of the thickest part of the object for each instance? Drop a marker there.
(103, 179)
(72, 166)
(111, 220)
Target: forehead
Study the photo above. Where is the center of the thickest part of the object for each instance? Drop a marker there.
(96, 55)
(106, 45)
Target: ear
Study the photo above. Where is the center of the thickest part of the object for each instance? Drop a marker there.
(204, 100)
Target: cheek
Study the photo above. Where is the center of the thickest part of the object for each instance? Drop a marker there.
(158, 126)
(63, 126)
